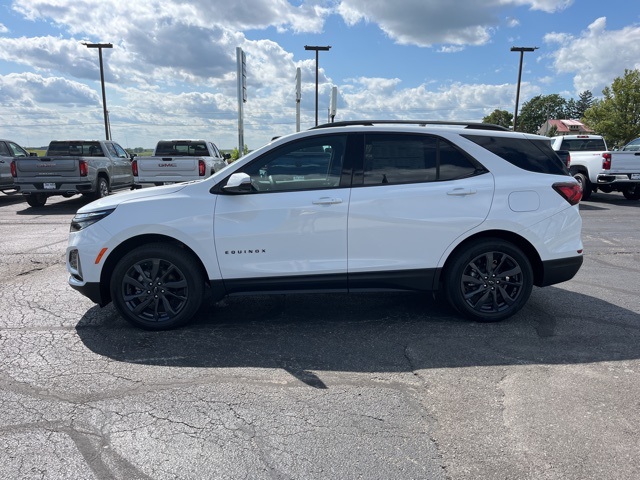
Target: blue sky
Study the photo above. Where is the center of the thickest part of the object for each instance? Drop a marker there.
(172, 73)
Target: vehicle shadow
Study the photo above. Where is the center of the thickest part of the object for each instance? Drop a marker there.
(384, 332)
(603, 200)
(56, 206)
(10, 198)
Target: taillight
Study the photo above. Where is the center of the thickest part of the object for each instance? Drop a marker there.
(134, 168)
(14, 169)
(606, 161)
(84, 168)
(568, 160)
(570, 191)
(201, 167)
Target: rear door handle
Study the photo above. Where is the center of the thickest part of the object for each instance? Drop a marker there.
(327, 201)
(461, 192)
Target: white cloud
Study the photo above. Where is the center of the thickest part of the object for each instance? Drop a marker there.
(597, 56)
(36, 89)
(428, 22)
(369, 97)
(3, 28)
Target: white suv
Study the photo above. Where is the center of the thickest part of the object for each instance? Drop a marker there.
(476, 211)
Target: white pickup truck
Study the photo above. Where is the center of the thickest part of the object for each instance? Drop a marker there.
(179, 161)
(621, 171)
(585, 163)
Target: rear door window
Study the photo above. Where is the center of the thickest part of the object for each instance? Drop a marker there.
(409, 158)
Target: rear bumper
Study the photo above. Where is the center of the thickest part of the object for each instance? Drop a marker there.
(165, 179)
(604, 179)
(60, 188)
(561, 270)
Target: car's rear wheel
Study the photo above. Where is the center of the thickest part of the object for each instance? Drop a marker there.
(157, 287)
(632, 192)
(102, 188)
(489, 281)
(584, 182)
(36, 199)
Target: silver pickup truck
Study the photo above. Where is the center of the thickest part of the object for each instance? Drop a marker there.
(8, 151)
(89, 167)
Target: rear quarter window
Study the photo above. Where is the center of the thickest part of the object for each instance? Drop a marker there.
(531, 155)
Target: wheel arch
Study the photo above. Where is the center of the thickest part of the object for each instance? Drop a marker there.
(103, 174)
(133, 243)
(522, 243)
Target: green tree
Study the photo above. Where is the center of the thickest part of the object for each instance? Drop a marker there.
(499, 117)
(235, 153)
(585, 101)
(617, 115)
(540, 109)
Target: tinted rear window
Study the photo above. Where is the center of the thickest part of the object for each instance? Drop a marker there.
(182, 149)
(75, 149)
(532, 155)
(583, 144)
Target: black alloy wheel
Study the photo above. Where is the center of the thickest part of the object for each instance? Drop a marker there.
(157, 287)
(489, 281)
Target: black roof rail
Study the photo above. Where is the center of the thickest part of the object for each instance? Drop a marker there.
(370, 123)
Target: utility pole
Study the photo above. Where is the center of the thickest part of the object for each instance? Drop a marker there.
(521, 50)
(317, 49)
(241, 61)
(100, 46)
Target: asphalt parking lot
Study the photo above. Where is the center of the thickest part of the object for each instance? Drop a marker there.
(375, 386)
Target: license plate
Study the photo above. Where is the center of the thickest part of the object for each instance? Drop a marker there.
(49, 186)
(635, 176)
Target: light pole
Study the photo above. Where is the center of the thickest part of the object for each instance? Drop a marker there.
(317, 49)
(521, 50)
(100, 46)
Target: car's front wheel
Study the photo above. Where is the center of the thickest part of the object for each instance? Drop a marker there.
(157, 287)
(489, 281)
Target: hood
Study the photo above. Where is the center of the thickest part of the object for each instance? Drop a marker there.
(118, 198)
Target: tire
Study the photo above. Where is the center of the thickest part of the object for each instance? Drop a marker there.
(632, 192)
(36, 199)
(585, 183)
(489, 281)
(102, 188)
(157, 287)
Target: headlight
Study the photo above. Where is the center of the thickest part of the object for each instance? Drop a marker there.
(83, 220)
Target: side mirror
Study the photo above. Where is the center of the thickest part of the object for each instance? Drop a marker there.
(238, 183)
(33, 154)
(226, 156)
(132, 156)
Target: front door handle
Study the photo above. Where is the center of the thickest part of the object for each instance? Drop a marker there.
(327, 201)
(461, 192)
